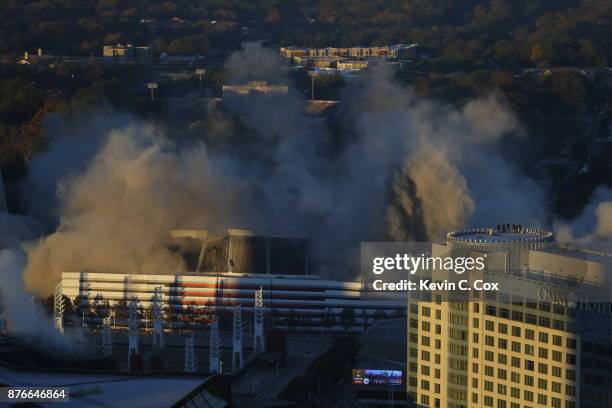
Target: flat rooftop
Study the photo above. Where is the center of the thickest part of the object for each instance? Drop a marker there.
(496, 236)
(109, 390)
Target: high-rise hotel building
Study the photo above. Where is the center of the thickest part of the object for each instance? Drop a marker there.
(543, 340)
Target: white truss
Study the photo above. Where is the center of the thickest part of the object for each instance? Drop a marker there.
(157, 313)
(134, 327)
(237, 356)
(215, 348)
(58, 308)
(259, 339)
(107, 337)
(191, 359)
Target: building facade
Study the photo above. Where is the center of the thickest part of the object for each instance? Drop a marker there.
(541, 341)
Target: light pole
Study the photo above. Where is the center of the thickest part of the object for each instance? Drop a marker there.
(312, 75)
(152, 86)
(200, 72)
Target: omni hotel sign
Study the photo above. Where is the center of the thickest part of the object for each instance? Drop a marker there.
(574, 301)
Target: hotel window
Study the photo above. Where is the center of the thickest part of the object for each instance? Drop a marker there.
(529, 380)
(544, 322)
(491, 310)
(542, 384)
(489, 371)
(558, 325)
(426, 311)
(414, 308)
(571, 343)
(515, 392)
(531, 319)
(502, 344)
(556, 372)
(425, 340)
(570, 404)
(437, 388)
(501, 403)
(437, 373)
(425, 385)
(570, 359)
(529, 350)
(543, 368)
(557, 356)
(425, 355)
(556, 387)
(531, 304)
(489, 341)
(438, 314)
(543, 337)
(476, 308)
(515, 377)
(425, 326)
(529, 365)
(474, 382)
(557, 340)
(475, 337)
(570, 375)
(545, 306)
(528, 395)
(529, 334)
(502, 359)
(489, 355)
(475, 352)
(501, 389)
(570, 390)
(488, 401)
(437, 403)
(438, 329)
(516, 362)
(555, 402)
(515, 405)
(438, 344)
(425, 399)
(542, 399)
(489, 325)
(474, 398)
(488, 386)
(542, 352)
(425, 370)
(503, 328)
(516, 346)
(502, 374)
(505, 313)
(475, 323)
(517, 316)
(516, 331)
(437, 359)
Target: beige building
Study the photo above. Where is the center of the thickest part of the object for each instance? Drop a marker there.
(543, 340)
(255, 88)
(127, 53)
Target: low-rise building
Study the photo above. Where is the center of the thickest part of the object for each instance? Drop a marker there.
(255, 88)
(127, 53)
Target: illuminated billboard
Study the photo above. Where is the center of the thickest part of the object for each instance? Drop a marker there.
(376, 377)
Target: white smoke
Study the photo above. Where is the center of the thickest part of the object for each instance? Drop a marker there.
(594, 224)
(406, 168)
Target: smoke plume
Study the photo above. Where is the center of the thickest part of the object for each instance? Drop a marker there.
(402, 168)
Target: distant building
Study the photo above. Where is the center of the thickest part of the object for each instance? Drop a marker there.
(255, 88)
(127, 53)
(401, 51)
(3, 206)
